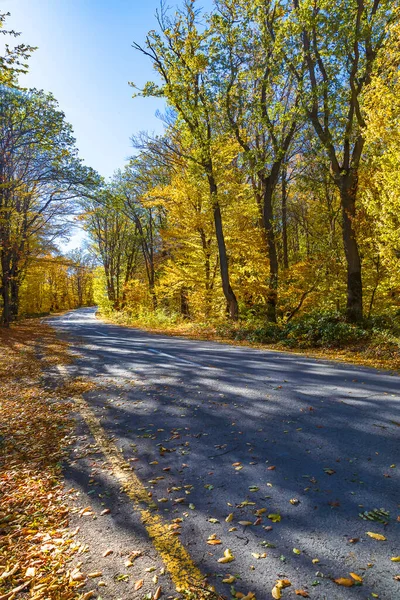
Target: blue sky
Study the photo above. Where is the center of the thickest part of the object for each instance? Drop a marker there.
(85, 59)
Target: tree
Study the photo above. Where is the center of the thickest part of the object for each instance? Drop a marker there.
(115, 241)
(13, 62)
(339, 44)
(40, 177)
(260, 97)
(179, 55)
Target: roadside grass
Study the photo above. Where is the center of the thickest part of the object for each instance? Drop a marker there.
(35, 543)
(374, 343)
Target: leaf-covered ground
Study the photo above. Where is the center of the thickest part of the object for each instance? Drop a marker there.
(35, 543)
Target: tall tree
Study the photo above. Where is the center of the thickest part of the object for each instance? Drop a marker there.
(339, 43)
(40, 176)
(179, 55)
(260, 97)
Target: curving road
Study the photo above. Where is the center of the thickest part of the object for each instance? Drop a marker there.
(245, 430)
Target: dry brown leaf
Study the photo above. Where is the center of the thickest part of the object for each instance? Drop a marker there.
(138, 584)
(157, 593)
(302, 593)
(88, 595)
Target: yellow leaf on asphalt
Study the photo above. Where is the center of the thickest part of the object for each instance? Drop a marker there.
(275, 518)
(395, 559)
(229, 579)
(315, 561)
(260, 512)
(228, 557)
(296, 551)
(276, 592)
(280, 584)
(302, 593)
(376, 536)
(95, 574)
(229, 518)
(356, 577)
(344, 581)
(245, 523)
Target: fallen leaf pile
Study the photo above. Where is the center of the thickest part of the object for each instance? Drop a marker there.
(35, 541)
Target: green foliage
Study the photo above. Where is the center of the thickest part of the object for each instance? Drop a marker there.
(325, 329)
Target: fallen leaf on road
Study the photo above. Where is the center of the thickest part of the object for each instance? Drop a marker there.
(107, 553)
(157, 593)
(278, 587)
(376, 536)
(395, 559)
(274, 517)
(229, 518)
(302, 593)
(213, 541)
(245, 523)
(229, 579)
(228, 557)
(296, 551)
(260, 512)
(356, 577)
(138, 584)
(106, 511)
(344, 581)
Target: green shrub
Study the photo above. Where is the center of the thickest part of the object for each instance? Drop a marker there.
(329, 329)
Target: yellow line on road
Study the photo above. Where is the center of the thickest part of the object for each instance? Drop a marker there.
(184, 573)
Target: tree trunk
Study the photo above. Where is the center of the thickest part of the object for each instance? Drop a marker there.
(284, 218)
(5, 292)
(223, 257)
(185, 312)
(348, 191)
(269, 186)
(14, 297)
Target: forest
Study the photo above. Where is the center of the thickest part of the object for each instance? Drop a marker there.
(268, 210)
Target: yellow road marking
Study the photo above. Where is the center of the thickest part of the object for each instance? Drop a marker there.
(184, 573)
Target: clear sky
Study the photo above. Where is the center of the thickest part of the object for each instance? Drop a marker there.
(85, 59)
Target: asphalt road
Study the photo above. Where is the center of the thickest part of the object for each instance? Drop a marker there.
(246, 426)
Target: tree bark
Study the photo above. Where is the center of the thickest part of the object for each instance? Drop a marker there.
(284, 218)
(229, 294)
(348, 184)
(269, 185)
